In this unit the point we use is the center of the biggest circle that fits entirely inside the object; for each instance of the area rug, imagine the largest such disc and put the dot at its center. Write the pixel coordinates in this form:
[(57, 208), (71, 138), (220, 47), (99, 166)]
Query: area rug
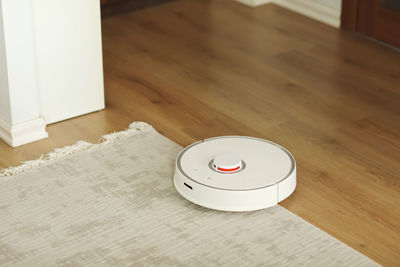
[(114, 204)]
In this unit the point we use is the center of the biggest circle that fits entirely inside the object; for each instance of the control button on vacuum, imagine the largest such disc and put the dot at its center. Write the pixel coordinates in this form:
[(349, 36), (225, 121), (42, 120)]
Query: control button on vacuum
[(227, 164)]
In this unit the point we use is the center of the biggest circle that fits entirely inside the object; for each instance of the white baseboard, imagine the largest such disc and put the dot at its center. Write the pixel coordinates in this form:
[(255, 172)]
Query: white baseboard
[(23, 133), (313, 10), (308, 8), (254, 3)]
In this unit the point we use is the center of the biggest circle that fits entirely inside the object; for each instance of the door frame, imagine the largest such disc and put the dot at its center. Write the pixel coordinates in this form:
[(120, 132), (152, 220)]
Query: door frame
[(349, 16)]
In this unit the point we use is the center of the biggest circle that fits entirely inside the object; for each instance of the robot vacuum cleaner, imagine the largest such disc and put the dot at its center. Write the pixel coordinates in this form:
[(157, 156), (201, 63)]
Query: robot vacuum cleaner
[(235, 173)]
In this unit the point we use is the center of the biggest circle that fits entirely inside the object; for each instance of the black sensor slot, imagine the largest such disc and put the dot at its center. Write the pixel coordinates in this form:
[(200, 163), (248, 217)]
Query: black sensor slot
[(188, 186)]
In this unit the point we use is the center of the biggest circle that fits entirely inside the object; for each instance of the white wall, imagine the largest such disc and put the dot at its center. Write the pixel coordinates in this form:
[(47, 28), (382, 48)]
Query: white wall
[(21, 69), (69, 57), (51, 65), (20, 122), (335, 4), (5, 110), (18, 85)]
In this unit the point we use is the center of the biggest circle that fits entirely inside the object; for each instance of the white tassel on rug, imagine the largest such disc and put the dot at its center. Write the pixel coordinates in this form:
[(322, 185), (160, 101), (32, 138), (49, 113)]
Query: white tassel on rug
[(62, 153)]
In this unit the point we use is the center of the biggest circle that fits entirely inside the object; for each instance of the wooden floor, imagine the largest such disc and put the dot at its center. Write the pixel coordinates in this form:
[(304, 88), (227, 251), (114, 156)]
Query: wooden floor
[(197, 68)]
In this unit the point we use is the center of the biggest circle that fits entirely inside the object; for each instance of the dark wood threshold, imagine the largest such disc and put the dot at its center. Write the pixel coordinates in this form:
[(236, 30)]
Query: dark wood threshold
[(124, 6)]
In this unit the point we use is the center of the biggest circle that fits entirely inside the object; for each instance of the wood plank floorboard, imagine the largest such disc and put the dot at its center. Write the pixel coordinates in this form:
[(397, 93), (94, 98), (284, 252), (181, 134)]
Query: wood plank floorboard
[(198, 68)]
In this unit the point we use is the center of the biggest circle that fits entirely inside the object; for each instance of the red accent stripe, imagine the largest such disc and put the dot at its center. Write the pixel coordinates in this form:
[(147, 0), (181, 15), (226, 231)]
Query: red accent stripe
[(228, 170)]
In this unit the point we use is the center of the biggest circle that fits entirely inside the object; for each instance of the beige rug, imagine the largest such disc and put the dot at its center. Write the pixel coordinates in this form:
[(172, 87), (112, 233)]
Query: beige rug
[(114, 204)]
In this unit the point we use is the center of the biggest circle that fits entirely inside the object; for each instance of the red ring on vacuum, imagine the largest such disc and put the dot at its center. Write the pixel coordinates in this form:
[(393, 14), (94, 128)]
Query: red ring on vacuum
[(228, 170)]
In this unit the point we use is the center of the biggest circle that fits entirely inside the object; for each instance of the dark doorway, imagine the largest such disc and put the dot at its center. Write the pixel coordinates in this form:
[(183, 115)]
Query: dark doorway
[(377, 19), (115, 7)]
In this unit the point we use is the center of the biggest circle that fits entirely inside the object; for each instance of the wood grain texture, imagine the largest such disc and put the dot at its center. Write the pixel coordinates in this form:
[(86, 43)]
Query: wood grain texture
[(197, 69)]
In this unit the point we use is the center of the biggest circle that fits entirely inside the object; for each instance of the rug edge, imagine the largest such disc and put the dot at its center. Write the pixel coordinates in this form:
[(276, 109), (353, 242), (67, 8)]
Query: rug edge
[(79, 146)]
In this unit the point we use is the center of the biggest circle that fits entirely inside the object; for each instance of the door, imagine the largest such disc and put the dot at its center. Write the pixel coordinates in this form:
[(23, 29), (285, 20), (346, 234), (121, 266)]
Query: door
[(378, 19), (103, 2)]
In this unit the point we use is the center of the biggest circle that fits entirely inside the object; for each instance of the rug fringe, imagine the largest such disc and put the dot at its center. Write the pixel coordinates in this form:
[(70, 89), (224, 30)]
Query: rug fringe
[(62, 153)]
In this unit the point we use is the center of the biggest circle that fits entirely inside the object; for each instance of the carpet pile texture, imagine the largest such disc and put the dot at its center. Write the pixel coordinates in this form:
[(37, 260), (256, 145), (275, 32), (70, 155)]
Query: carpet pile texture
[(114, 204)]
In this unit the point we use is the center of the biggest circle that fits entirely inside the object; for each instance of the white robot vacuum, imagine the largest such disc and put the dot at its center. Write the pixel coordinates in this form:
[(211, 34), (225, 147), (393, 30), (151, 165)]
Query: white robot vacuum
[(235, 173)]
